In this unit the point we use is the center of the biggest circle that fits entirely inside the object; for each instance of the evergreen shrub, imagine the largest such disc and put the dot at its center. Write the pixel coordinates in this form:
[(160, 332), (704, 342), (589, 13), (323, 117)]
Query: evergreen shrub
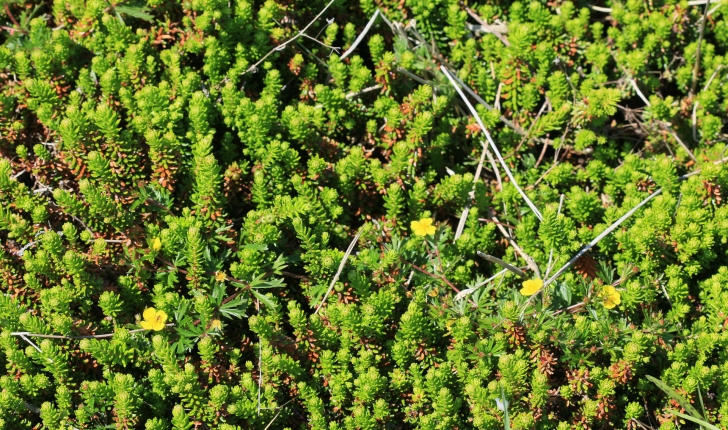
[(270, 215)]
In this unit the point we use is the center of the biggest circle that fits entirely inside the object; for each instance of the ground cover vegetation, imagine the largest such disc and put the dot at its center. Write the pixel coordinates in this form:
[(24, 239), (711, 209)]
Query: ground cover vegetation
[(429, 214)]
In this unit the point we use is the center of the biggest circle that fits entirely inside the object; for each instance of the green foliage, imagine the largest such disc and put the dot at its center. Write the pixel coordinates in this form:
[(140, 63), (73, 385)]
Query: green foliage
[(214, 161)]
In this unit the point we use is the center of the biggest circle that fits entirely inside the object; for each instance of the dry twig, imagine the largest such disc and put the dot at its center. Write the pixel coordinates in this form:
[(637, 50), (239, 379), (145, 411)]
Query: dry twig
[(492, 144), (341, 267), (294, 38), (494, 30)]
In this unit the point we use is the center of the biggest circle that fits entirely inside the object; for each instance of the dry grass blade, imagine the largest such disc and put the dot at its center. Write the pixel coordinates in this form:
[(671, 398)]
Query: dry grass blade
[(551, 252), (415, 77), (492, 144), (33, 408), (697, 172), (364, 91), (280, 409), (341, 267), (616, 224), (696, 68), (682, 144), (639, 93), (260, 365), (31, 343), (503, 264), (694, 116), (600, 9), (597, 239), (92, 336), (466, 211), (494, 166), (463, 218), (284, 44), (487, 105), (361, 35), (665, 124), (494, 30), (461, 295), (529, 261), (22, 336)]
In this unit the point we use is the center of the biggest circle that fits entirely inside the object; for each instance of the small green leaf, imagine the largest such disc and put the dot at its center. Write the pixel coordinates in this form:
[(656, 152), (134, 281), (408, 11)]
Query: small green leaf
[(696, 420), (506, 418), (234, 308), (266, 300), (141, 12), (677, 397), (259, 283)]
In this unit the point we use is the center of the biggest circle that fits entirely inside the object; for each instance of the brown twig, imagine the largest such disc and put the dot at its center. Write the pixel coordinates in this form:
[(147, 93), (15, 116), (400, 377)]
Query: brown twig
[(159, 205), (696, 68), (530, 128), (538, 181), (227, 278), (437, 254), (12, 18), (434, 276), (11, 30), (496, 222), (295, 275), (571, 309), (543, 153)]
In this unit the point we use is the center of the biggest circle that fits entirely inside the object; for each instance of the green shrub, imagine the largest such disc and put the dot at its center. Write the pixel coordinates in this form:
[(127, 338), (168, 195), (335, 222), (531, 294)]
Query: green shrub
[(211, 217)]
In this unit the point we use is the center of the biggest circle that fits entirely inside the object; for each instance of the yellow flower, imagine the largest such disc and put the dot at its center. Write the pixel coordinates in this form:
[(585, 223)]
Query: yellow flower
[(157, 244), (216, 325), (220, 276), (423, 227), (531, 287), (153, 319), (611, 297)]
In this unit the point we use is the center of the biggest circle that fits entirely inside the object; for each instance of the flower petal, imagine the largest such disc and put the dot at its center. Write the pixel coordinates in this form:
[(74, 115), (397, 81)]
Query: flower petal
[(531, 287), (162, 316), (149, 314), (616, 298), (158, 325), (147, 325), (431, 230)]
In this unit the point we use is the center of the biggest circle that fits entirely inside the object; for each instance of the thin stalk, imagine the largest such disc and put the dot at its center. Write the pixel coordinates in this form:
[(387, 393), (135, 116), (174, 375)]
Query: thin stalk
[(341, 267), (492, 144), (696, 68), (361, 35)]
